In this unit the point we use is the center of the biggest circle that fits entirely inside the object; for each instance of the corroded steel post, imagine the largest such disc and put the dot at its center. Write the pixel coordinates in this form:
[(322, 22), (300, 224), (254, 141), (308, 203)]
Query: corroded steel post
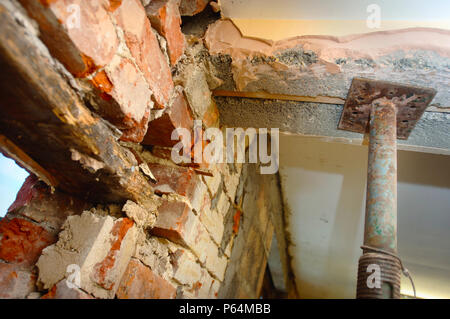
[(392, 110), (380, 230)]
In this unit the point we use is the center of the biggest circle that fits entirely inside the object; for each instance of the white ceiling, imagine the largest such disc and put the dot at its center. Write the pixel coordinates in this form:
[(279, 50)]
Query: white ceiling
[(282, 19), (335, 10), (324, 189)]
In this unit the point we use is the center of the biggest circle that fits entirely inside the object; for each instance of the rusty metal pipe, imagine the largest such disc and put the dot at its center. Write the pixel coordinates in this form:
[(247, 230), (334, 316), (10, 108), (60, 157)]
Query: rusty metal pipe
[(380, 229), (392, 110)]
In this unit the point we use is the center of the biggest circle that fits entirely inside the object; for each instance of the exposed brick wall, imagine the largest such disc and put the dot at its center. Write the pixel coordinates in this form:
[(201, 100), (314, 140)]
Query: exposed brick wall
[(252, 228), (32, 223), (132, 67)]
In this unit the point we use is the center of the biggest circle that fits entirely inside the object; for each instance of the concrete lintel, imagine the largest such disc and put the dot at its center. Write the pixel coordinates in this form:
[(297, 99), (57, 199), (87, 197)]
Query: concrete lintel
[(431, 134)]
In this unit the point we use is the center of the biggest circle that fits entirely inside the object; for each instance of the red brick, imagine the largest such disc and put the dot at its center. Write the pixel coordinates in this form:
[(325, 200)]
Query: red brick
[(178, 115), (175, 222), (196, 281), (165, 18), (62, 291), (82, 49), (36, 202), (136, 134), (140, 282), (144, 47), (29, 190), (100, 245), (22, 242), (104, 271), (121, 93), (132, 97), (178, 223), (176, 180), (192, 7), (15, 282), (186, 270), (162, 152)]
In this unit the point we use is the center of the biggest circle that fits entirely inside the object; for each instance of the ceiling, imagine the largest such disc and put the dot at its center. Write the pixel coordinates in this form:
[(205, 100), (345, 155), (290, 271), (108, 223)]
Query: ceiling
[(291, 18), (323, 187), (334, 10)]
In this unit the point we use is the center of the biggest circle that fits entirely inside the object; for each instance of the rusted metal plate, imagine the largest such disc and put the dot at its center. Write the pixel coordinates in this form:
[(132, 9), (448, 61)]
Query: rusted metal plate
[(411, 102)]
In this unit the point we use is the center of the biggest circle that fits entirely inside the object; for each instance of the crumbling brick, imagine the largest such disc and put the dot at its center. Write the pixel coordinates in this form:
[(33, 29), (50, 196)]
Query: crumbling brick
[(78, 33), (198, 94), (140, 282), (139, 214), (15, 282), (29, 190), (120, 60), (192, 7), (104, 272), (186, 270), (22, 241), (144, 47), (154, 253), (100, 246), (130, 91), (178, 223), (165, 18), (195, 280), (83, 37), (177, 115), (175, 222), (179, 180), (36, 201)]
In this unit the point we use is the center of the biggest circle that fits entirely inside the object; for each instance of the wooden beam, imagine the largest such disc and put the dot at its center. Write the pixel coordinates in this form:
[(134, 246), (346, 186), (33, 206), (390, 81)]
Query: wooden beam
[(271, 96), (11, 150), (50, 128)]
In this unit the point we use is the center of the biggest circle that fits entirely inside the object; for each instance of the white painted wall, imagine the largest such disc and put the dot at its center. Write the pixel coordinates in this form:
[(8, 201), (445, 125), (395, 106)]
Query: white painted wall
[(324, 188)]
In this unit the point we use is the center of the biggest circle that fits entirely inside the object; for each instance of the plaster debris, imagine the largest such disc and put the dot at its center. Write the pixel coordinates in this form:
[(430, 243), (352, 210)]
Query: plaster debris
[(141, 216), (154, 252)]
